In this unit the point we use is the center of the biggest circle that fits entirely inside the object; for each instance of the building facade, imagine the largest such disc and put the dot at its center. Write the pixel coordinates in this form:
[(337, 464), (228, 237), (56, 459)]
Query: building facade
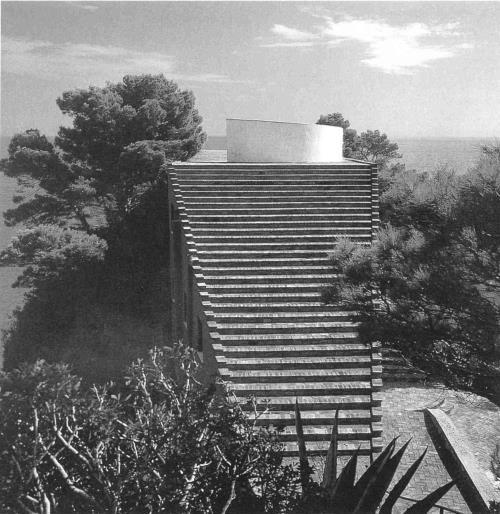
[(249, 244)]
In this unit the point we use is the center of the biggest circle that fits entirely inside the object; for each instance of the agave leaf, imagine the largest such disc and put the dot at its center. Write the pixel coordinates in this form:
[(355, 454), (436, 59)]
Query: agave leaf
[(426, 504), (342, 499), (386, 454), (330, 471), (398, 489), (379, 483), (305, 469)]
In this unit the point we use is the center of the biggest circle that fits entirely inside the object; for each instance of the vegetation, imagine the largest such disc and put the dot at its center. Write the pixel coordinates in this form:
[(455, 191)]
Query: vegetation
[(343, 494), (93, 210), (369, 146), (432, 273), (159, 441)]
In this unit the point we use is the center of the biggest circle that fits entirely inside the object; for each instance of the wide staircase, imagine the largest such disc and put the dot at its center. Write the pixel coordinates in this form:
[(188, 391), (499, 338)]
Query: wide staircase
[(259, 237)]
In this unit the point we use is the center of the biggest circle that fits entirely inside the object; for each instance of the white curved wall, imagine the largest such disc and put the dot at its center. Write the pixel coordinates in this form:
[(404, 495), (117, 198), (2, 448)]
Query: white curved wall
[(273, 141)]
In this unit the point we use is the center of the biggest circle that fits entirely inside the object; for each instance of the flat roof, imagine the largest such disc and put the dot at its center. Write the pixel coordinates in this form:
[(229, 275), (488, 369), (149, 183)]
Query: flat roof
[(220, 156)]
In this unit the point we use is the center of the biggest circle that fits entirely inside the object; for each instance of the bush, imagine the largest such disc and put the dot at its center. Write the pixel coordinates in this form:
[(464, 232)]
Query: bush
[(157, 442)]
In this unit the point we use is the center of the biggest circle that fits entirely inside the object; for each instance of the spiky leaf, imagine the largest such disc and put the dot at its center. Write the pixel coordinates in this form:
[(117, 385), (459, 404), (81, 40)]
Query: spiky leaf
[(426, 504), (398, 489), (386, 454), (379, 483), (305, 469), (342, 499), (330, 471)]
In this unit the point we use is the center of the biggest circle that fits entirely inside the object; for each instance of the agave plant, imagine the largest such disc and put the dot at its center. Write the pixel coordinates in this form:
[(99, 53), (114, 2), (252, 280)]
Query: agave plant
[(345, 495)]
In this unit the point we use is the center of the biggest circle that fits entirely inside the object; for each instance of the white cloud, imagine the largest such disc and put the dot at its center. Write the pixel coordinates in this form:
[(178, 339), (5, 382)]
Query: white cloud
[(90, 63), (400, 49), (292, 34)]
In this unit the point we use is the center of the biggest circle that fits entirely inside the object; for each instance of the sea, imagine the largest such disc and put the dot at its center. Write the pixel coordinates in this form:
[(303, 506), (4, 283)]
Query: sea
[(458, 154)]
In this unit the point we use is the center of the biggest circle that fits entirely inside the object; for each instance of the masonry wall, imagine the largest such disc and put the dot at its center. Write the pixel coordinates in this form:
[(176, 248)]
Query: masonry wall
[(186, 319)]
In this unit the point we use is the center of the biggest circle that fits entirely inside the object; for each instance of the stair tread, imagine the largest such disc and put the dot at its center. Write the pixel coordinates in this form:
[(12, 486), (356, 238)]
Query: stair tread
[(299, 360), (277, 325), (261, 337), (302, 385), (199, 225), (298, 305), (256, 277), (344, 415), (315, 447), (208, 271), (326, 347), (301, 314), (308, 402), (303, 373)]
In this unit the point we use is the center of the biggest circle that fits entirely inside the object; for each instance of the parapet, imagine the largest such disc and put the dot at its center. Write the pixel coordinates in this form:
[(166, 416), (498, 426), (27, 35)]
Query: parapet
[(274, 141)]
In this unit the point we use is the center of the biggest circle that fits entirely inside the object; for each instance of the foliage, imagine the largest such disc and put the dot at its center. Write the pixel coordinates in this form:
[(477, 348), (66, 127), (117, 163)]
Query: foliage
[(140, 108), (342, 494), (49, 251), (369, 146), (94, 205), (139, 122), (427, 302), (157, 442), (433, 271), (97, 314)]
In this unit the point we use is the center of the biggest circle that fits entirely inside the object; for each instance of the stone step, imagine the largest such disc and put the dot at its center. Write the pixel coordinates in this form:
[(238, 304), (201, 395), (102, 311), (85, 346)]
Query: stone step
[(285, 210), (267, 176), (325, 387), (267, 169), (257, 178), (323, 433), (269, 279), (296, 285), (342, 402), (345, 448), (274, 235), (287, 244), (284, 339), (284, 328), (297, 351), (269, 297), (250, 179), (265, 270), (290, 307), (280, 192), (266, 255), (225, 233), (272, 184), (268, 317), (323, 221), (248, 224), (272, 377), (316, 417), (293, 262), (275, 202), (263, 219), (297, 362)]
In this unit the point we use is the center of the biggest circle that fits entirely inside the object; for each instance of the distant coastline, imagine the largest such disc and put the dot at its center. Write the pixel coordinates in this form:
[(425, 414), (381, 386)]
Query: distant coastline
[(422, 154)]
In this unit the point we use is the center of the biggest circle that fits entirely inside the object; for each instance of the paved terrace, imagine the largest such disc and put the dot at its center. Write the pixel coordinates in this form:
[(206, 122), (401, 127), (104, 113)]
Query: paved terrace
[(403, 415)]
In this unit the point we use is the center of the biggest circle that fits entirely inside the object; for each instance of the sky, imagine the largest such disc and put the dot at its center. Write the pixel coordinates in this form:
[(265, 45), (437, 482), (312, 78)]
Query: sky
[(410, 69)]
